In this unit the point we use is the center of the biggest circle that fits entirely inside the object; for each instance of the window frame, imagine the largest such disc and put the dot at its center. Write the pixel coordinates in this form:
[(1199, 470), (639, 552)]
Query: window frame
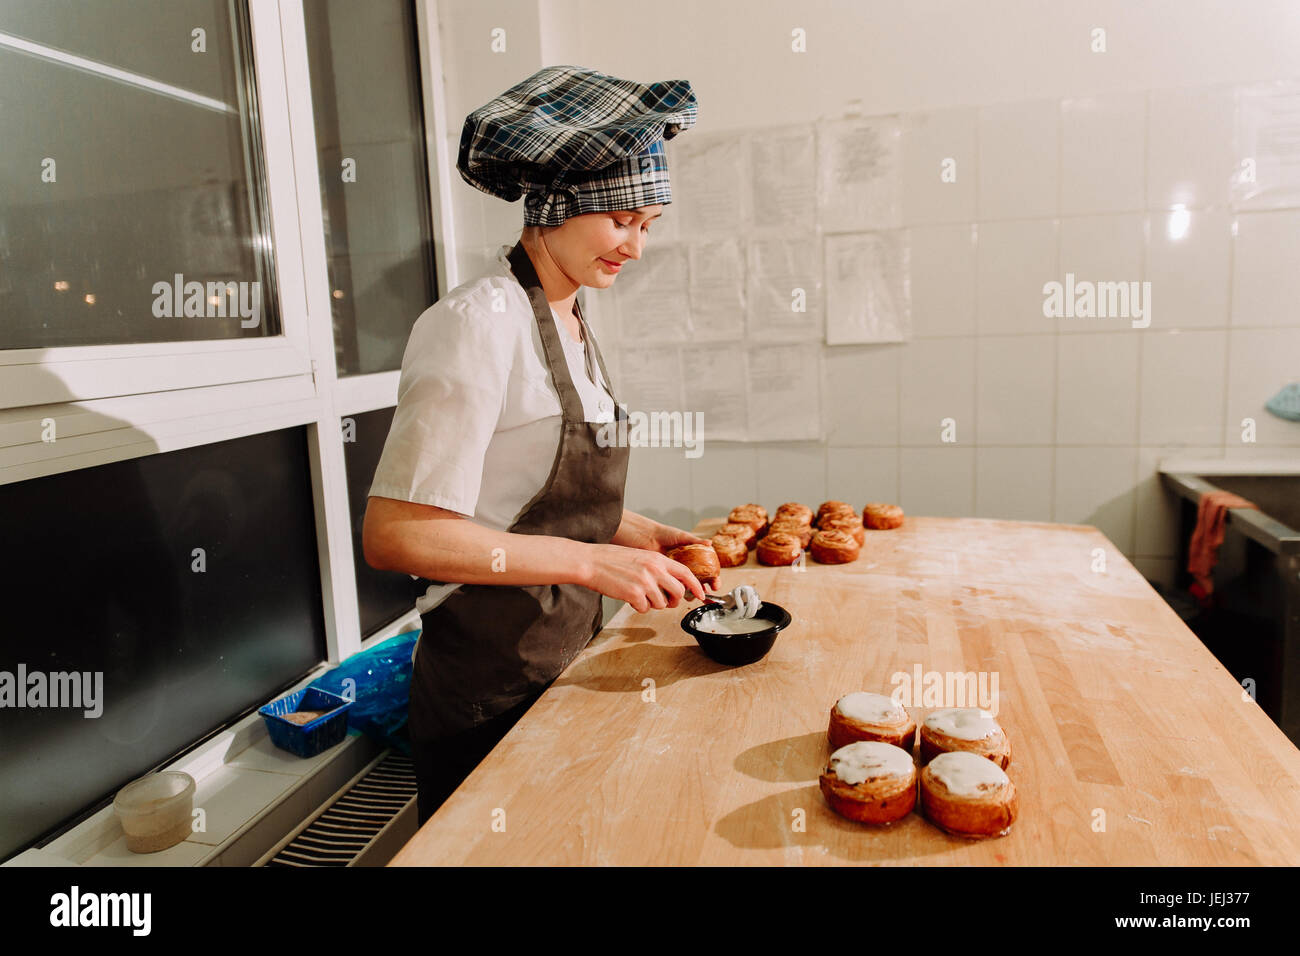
[(116, 402)]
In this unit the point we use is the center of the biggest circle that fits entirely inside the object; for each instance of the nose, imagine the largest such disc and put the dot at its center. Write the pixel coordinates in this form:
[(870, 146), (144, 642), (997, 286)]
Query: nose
[(632, 248)]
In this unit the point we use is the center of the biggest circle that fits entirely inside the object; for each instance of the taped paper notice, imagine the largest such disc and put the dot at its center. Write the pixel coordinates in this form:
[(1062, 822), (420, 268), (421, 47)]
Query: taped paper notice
[(858, 177), (784, 290), (652, 298), (709, 183), (783, 169), (785, 393), (717, 291), (652, 380), (714, 383), (1268, 145), (867, 289)]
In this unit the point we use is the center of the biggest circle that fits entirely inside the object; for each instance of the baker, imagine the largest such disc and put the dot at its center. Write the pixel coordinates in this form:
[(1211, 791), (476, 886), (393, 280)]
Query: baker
[(492, 484)]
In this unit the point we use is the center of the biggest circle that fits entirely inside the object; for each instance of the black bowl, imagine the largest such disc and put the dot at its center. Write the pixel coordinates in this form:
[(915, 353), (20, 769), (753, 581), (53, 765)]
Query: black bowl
[(736, 649)]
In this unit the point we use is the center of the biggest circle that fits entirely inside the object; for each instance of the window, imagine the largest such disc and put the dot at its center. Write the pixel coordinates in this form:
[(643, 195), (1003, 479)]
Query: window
[(365, 81)]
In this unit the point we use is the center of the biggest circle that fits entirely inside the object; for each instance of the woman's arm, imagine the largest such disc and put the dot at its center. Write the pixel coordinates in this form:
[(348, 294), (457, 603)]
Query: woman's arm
[(442, 545), (638, 531)]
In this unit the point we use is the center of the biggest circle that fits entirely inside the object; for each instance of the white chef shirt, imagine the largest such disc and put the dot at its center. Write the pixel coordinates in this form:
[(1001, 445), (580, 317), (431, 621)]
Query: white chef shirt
[(478, 419)]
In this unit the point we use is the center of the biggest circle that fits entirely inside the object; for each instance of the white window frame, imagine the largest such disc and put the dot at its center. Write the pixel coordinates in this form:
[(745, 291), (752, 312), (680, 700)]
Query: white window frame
[(116, 402)]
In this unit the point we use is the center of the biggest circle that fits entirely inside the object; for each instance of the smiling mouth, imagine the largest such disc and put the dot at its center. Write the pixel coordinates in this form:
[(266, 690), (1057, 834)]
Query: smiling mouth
[(612, 265)]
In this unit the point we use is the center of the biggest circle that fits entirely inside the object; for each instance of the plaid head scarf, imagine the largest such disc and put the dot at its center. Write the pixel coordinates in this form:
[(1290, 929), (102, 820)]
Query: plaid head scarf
[(573, 141)]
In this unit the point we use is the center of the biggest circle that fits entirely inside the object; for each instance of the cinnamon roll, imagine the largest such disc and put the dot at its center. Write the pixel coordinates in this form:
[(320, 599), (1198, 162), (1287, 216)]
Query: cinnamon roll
[(866, 716), (832, 507), (967, 729), (732, 551), (877, 515), (849, 523), (744, 532), (833, 547), (779, 548), (966, 795), (753, 515), (790, 526), (792, 509), (870, 782), (702, 559)]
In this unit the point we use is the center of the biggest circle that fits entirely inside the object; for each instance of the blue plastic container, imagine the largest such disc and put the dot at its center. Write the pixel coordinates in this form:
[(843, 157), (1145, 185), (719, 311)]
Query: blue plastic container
[(307, 740)]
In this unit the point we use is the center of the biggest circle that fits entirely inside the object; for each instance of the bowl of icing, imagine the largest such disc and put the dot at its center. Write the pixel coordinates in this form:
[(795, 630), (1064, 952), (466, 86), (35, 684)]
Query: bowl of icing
[(735, 641)]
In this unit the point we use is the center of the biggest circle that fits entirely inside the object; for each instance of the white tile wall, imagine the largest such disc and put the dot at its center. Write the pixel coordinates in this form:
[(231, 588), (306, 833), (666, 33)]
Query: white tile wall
[(1013, 261), (1016, 390), (1102, 154), (1097, 389), (1266, 269), (1182, 387), (1189, 266)]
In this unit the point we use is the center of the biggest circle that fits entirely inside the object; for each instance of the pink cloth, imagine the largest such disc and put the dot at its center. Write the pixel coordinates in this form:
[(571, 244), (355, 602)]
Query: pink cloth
[(1203, 552)]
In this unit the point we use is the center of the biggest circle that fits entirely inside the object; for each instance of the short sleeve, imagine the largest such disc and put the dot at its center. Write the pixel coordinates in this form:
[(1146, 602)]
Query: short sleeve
[(451, 395)]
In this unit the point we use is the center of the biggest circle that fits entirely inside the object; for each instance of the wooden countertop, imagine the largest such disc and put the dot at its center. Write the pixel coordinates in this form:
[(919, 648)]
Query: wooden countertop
[(1131, 744)]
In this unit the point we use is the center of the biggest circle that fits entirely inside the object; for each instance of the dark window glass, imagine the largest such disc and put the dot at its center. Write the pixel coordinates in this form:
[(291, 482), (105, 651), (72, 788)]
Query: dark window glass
[(382, 596), (365, 82), (188, 580), (132, 204)]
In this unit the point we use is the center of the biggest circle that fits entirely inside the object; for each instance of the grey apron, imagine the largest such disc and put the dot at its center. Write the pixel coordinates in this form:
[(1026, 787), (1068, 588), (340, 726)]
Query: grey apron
[(487, 647)]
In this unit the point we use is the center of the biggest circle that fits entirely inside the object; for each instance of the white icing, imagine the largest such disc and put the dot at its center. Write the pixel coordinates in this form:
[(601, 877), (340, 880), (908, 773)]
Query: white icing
[(965, 723), (871, 708), (867, 759), (967, 774), (715, 623)]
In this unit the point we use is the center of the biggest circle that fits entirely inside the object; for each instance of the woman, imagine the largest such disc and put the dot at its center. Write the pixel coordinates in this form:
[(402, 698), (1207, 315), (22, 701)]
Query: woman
[(502, 397)]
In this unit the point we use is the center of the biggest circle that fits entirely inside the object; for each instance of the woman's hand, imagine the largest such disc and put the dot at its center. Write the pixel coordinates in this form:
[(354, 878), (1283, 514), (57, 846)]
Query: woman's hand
[(667, 537), (642, 577), (638, 531)]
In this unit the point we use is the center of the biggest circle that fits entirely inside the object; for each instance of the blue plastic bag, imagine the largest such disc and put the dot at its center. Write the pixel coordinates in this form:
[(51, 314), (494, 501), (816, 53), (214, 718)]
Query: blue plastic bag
[(378, 680)]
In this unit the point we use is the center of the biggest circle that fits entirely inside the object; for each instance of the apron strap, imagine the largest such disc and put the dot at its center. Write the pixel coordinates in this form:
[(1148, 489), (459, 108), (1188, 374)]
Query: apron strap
[(526, 274)]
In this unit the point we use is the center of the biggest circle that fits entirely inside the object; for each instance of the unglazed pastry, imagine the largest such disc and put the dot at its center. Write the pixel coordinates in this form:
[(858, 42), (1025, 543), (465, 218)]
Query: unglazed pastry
[(870, 782), (790, 526), (702, 559), (792, 509), (832, 507), (744, 532), (878, 515), (863, 715), (753, 515), (732, 551), (966, 795), (834, 547), (778, 548), (968, 729), (849, 523)]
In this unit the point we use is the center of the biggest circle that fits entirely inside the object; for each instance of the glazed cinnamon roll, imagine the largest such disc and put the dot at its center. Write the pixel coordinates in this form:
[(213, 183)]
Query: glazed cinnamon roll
[(966, 795), (753, 515), (866, 716), (792, 509), (833, 547), (702, 559), (870, 782), (967, 729), (849, 523), (732, 551), (790, 526), (878, 515), (744, 532), (829, 508), (779, 548)]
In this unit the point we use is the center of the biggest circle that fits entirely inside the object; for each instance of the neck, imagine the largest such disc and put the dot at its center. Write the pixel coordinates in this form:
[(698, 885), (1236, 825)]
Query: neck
[(560, 289)]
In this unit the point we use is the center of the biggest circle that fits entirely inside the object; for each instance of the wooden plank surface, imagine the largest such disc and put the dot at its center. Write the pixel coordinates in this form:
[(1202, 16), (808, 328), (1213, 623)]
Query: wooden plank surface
[(1131, 745)]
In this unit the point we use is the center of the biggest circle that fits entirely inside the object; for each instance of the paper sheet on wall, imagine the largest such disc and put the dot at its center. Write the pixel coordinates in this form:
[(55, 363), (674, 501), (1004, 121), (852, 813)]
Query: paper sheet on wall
[(867, 288), (784, 290), (784, 386), (858, 179), (1268, 136), (717, 290), (783, 171), (652, 298), (714, 384), (709, 183), (651, 380)]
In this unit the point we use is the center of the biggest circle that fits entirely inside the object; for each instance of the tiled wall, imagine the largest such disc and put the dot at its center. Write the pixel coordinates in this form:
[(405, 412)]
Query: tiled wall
[(1057, 420)]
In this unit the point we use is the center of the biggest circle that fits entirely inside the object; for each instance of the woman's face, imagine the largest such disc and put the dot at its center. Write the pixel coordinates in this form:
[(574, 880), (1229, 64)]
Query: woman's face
[(591, 248)]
